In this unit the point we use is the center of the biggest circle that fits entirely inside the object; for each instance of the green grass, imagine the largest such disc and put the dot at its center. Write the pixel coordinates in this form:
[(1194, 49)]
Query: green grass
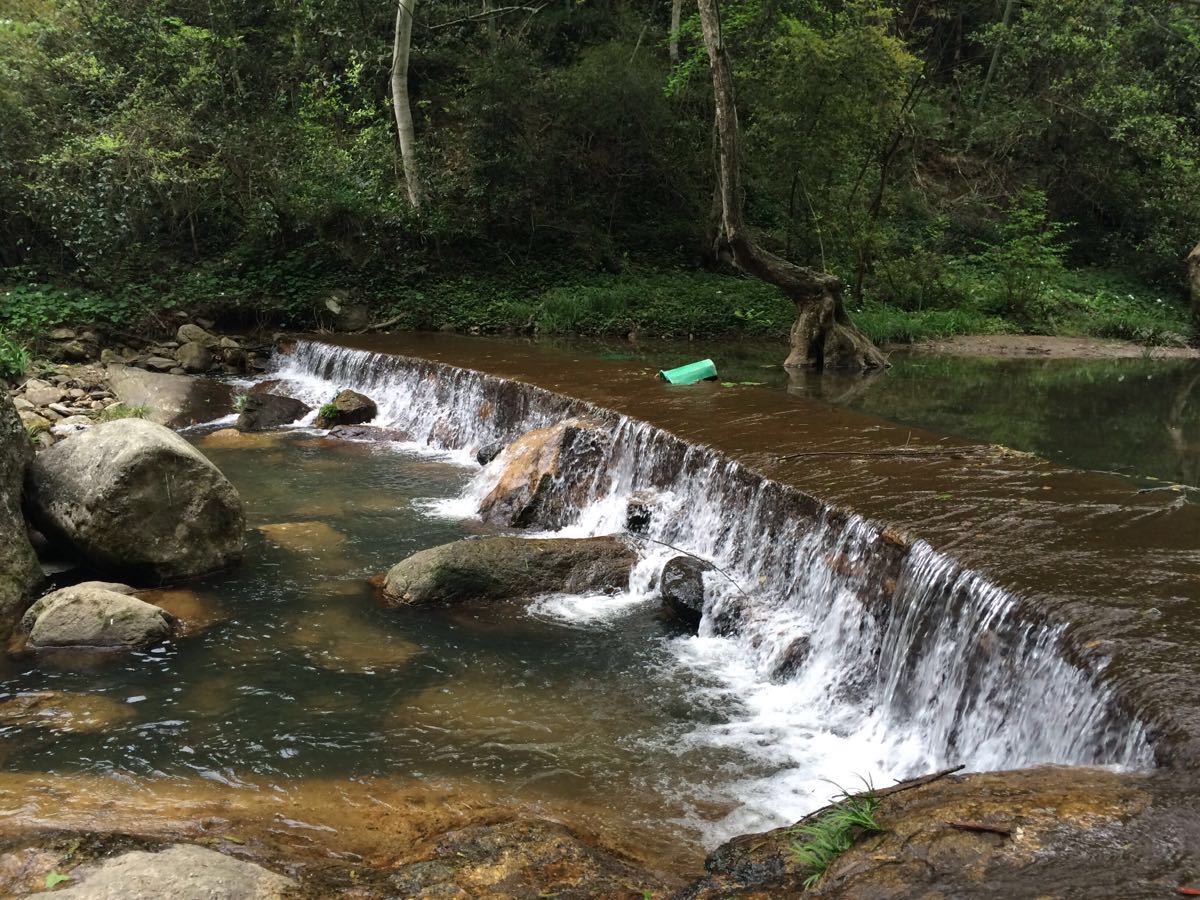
[(121, 411), (833, 833), (14, 357), (327, 411), (650, 302)]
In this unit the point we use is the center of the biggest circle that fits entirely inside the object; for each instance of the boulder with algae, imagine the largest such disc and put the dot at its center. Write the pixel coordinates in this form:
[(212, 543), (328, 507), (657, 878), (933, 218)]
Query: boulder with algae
[(509, 568)]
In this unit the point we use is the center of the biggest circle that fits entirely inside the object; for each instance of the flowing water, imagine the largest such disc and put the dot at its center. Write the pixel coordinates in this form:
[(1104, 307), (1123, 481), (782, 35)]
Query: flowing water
[(829, 652)]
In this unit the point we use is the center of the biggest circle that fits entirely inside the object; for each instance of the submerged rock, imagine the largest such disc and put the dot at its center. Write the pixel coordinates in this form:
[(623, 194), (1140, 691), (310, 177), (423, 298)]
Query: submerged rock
[(64, 712), (194, 612), (262, 412), (506, 568), (181, 871), (347, 408), (131, 495), (547, 474), (682, 588), (19, 571), (90, 616)]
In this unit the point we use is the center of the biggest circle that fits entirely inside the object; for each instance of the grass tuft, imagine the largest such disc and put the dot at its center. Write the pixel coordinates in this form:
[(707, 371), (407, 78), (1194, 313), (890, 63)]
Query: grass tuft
[(122, 411), (834, 832)]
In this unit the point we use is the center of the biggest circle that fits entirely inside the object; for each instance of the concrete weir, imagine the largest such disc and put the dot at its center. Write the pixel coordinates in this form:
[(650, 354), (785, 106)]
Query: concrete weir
[(919, 624)]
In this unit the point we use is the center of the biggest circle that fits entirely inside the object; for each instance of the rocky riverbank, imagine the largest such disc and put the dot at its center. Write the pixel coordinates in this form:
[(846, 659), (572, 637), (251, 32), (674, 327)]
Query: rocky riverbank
[(87, 378)]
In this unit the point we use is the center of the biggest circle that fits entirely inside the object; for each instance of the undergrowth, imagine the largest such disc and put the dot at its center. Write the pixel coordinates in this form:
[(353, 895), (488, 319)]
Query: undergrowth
[(833, 833)]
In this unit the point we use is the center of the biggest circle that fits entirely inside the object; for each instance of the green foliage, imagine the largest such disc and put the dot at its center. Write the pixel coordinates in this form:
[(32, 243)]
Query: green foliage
[(169, 154), (54, 879), (14, 357), (833, 833), (327, 411), (1024, 257), (122, 411)]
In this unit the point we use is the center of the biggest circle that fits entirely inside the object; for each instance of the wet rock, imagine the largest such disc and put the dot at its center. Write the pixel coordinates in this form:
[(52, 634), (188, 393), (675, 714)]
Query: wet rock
[(130, 494), (181, 871), (194, 357), (84, 616), (369, 433), (347, 408), (265, 387), (19, 571), (793, 658), (639, 513), (488, 452), (1048, 832), (506, 568), (262, 412), (111, 358), (64, 712), (682, 588), (173, 400), (72, 351), (547, 474), (521, 859), (194, 334)]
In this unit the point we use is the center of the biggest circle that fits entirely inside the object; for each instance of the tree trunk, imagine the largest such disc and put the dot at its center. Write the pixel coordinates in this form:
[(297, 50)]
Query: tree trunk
[(400, 104), (676, 19), (1193, 264), (822, 336)]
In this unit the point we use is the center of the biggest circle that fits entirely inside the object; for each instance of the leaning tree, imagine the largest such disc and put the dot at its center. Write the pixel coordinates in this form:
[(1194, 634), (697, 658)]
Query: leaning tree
[(823, 335)]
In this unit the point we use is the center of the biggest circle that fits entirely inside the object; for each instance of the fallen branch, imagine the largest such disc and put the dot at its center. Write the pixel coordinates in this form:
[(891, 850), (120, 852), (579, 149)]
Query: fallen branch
[(487, 14), (379, 326), (715, 567), (911, 783), (969, 450)]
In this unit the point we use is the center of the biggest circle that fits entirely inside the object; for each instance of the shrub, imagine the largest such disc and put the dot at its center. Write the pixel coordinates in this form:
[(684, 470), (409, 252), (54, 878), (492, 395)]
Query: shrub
[(14, 358)]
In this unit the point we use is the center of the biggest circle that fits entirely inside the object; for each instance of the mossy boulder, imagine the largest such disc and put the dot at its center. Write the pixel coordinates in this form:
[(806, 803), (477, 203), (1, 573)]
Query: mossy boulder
[(509, 568), (347, 408)]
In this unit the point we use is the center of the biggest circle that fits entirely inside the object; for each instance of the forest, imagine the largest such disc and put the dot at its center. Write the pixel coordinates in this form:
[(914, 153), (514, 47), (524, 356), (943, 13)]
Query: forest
[(962, 166)]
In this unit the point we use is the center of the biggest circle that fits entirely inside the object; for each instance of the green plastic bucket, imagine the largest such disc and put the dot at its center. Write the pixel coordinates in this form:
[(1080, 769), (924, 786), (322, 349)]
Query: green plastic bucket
[(704, 370)]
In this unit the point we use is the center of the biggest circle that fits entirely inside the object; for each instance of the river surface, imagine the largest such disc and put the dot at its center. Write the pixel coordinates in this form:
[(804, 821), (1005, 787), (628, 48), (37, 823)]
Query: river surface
[(1136, 417), (597, 710)]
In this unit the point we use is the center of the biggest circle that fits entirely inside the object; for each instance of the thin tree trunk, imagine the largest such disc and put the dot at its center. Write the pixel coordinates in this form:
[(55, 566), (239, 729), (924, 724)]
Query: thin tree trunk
[(995, 61), (400, 103), (676, 19), (1193, 265), (822, 336)]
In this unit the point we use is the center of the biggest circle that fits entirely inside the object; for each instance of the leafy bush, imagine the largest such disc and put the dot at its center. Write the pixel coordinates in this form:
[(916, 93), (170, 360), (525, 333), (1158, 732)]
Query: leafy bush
[(1026, 255)]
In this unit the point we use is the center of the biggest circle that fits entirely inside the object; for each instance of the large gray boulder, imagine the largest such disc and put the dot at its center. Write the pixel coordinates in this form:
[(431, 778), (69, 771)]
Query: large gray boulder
[(130, 496), (90, 615), (19, 571), (181, 872), (508, 568)]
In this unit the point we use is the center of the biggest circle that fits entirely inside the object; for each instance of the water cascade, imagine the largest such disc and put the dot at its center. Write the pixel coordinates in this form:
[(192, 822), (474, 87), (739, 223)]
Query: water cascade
[(848, 652)]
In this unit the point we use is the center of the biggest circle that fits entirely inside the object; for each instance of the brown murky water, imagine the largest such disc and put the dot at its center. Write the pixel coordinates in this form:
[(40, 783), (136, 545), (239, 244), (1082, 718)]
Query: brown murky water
[(1122, 567)]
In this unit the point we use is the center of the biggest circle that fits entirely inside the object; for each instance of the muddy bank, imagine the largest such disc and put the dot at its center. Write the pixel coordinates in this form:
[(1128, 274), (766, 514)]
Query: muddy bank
[(1045, 347)]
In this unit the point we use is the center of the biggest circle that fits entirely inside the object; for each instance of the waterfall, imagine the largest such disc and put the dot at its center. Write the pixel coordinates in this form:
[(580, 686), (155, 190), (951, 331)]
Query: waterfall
[(849, 646)]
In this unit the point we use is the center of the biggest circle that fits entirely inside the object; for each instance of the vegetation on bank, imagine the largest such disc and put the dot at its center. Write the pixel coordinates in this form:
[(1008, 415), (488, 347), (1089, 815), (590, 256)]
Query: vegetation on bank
[(962, 167)]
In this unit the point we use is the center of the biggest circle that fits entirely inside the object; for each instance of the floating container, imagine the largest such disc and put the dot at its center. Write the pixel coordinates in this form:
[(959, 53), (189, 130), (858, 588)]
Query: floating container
[(704, 370)]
